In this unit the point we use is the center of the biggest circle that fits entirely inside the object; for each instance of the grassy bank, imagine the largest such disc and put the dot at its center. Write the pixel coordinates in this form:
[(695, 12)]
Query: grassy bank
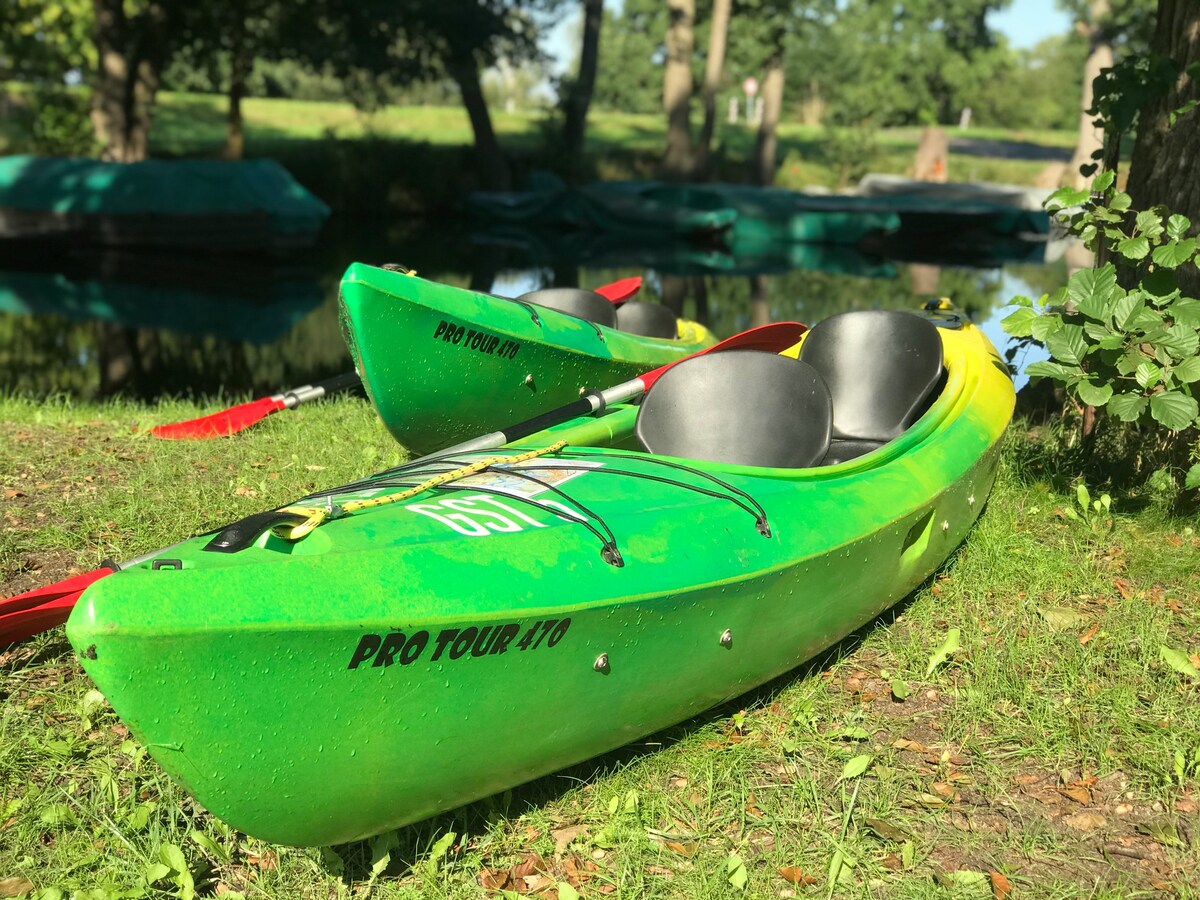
[(1054, 754), (418, 158)]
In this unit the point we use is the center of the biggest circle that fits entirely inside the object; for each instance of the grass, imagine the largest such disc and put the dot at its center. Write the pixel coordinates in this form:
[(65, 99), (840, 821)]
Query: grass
[(1040, 756)]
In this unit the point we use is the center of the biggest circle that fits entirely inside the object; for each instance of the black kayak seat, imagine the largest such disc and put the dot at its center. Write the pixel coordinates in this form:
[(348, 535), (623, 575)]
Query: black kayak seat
[(744, 407), (647, 319), (575, 302), (881, 367)]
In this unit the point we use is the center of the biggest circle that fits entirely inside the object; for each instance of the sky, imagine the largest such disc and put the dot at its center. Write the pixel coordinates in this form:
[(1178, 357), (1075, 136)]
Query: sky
[(1024, 23)]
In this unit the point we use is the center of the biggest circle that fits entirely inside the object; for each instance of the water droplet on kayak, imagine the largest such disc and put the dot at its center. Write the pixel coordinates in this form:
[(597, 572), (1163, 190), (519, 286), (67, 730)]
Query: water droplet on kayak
[(353, 752)]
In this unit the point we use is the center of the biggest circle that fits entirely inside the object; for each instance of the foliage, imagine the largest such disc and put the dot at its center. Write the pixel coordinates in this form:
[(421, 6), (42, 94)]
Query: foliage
[(43, 41), (57, 119), (1132, 352)]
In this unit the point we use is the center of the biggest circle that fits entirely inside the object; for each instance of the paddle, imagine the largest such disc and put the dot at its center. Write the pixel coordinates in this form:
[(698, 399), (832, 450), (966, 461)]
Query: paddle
[(26, 614), (238, 418)]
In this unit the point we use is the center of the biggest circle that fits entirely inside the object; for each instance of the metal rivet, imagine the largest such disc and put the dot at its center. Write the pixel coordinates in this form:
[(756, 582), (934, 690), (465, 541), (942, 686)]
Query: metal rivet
[(945, 525), (726, 638), (529, 379), (601, 663)]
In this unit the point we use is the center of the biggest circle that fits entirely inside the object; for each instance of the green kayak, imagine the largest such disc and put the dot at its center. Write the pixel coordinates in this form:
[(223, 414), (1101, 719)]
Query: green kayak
[(384, 658), (442, 364)]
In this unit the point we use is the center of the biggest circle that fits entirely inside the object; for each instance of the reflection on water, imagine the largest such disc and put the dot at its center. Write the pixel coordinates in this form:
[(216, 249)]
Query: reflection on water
[(93, 325)]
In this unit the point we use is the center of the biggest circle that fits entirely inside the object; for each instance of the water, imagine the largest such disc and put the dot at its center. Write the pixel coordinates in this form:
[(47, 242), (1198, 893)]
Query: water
[(91, 324)]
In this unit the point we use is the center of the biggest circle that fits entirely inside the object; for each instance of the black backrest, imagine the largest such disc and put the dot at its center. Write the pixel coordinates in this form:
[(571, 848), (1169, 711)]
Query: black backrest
[(647, 319), (740, 406), (881, 366), (575, 302)]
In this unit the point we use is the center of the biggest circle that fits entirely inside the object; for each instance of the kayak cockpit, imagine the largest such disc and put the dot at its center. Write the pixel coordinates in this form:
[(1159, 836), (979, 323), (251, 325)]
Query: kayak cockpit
[(632, 316), (859, 380)]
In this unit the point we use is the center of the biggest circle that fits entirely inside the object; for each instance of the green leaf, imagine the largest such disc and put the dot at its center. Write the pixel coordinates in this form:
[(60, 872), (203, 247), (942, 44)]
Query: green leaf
[(735, 867), (949, 646), (1019, 323), (58, 814), (1044, 369), (1173, 409), (1082, 496), (1103, 181), (1186, 311), (1149, 223), (887, 830), (1066, 196), (1181, 340), (1094, 394), (1192, 481), (566, 892), (1120, 201), (1177, 226), (1111, 341), (1178, 660), (173, 857), (856, 765), (1160, 283), (1174, 254), (900, 689), (1124, 309), (1093, 291), (1147, 374), (1127, 407), (1134, 247), (157, 872), (1068, 344), (1044, 326), (438, 851)]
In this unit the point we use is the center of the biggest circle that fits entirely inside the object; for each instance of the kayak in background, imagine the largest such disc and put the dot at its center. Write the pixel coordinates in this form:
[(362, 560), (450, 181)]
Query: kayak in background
[(442, 364)]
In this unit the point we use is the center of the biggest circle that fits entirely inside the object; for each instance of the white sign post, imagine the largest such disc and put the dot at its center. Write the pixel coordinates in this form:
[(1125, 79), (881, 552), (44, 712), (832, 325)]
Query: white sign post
[(750, 88)]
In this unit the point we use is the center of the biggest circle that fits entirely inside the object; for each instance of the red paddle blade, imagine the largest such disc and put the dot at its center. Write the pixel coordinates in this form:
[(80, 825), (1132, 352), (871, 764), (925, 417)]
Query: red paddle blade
[(773, 337), (220, 424), (41, 609), (620, 291)]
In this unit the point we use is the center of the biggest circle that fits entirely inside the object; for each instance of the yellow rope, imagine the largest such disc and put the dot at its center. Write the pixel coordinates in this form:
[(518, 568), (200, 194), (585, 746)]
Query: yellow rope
[(316, 515)]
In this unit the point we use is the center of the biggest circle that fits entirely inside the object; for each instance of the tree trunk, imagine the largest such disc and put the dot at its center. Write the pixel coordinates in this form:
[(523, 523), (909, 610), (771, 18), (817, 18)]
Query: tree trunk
[(677, 89), (1100, 56), (132, 53), (1163, 166), (493, 168), (580, 97), (760, 300), (772, 100), (717, 39), (235, 140)]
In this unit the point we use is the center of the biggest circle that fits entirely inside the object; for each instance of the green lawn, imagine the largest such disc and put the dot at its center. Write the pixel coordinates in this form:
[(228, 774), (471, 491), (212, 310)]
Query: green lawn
[(1056, 752)]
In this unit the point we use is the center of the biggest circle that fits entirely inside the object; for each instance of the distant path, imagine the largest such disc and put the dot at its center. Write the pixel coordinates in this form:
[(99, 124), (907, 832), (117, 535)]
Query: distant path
[(1010, 150)]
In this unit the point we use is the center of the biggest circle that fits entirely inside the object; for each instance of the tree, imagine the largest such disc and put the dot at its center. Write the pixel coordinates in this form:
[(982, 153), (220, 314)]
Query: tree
[(713, 67), (677, 88), (772, 100), (1162, 171), (1111, 28), (579, 95)]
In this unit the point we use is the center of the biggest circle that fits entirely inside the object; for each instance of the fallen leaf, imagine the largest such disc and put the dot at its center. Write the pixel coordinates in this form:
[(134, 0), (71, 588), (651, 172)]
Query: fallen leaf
[(887, 830), (1085, 821), (12, 494), (677, 781), (1001, 886), (661, 871), (942, 789), (1186, 805), (530, 864), (1089, 634), (683, 848), (246, 492), (1179, 661), (1060, 618), (906, 744), (564, 836), (1078, 793), (14, 887), (795, 875), (268, 861)]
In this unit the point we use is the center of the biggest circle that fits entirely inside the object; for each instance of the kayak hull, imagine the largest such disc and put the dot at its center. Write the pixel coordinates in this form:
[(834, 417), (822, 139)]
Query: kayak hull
[(443, 364), (414, 657)]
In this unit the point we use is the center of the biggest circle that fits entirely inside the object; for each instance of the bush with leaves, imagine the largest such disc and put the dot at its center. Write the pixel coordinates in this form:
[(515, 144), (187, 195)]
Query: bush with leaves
[(1135, 352)]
